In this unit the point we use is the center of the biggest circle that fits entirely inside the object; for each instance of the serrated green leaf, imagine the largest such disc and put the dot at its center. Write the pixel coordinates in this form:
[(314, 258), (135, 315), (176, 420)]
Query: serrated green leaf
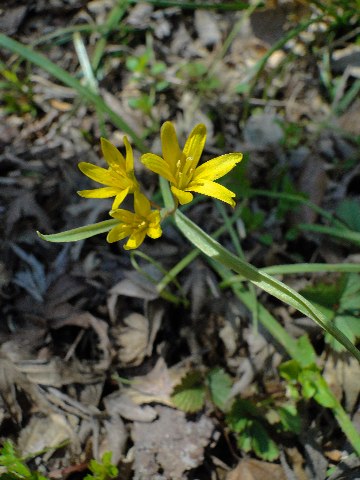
[(262, 444), (290, 418), (254, 437), (220, 386), (243, 439), (80, 233), (241, 410), (189, 395)]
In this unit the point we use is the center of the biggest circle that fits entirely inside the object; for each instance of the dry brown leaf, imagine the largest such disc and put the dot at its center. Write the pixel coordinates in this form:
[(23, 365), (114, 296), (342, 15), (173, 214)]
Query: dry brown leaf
[(25, 205), (313, 182), (87, 320), (156, 386), (350, 120), (131, 339), (11, 381), (57, 373), (207, 27), (46, 433), (170, 444), (120, 403), (134, 286), (297, 463), (251, 469), (340, 370), (115, 439)]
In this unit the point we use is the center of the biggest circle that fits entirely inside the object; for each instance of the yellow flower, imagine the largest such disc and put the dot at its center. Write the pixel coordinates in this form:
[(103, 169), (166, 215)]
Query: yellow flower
[(181, 170), (135, 225), (119, 178)]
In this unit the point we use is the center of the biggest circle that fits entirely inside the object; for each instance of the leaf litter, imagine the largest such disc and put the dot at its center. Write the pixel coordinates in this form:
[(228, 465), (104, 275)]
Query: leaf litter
[(90, 354)]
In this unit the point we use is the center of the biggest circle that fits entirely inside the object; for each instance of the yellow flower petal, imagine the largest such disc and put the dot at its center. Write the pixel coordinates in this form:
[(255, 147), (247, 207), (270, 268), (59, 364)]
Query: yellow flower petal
[(183, 197), (217, 167), (99, 174), (215, 190), (124, 215), (158, 165), (154, 229), (129, 157), (195, 143), (120, 197), (154, 232), (141, 205), (105, 192), (113, 157), (170, 146), (118, 233), (135, 240)]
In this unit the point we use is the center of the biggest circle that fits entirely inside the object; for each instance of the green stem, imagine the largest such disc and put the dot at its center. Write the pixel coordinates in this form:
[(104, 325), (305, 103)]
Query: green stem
[(346, 424)]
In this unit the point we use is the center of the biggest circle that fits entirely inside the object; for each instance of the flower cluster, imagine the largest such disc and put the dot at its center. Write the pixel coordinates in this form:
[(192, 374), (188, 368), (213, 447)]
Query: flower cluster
[(179, 167)]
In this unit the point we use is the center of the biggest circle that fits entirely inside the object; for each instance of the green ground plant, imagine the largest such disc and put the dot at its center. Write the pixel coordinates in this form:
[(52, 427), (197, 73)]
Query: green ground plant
[(17, 95), (252, 423), (14, 467)]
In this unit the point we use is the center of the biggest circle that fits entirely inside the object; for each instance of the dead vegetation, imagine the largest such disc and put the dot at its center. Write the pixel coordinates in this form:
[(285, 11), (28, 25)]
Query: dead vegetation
[(90, 349)]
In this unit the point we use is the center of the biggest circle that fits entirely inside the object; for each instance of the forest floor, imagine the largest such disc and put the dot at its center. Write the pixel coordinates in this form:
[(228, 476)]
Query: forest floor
[(179, 369)]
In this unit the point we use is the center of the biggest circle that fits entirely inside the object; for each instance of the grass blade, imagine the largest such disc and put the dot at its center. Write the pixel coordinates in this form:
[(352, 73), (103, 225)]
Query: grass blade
[(61, 74)]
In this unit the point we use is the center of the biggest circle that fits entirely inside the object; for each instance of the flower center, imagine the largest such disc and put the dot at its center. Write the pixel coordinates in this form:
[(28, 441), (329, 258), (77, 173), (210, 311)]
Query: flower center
[(139, 223), (184, 172)]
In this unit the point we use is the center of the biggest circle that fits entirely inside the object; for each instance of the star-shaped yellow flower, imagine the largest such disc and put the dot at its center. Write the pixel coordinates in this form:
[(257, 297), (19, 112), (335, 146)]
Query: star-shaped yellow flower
[(136, 225), (181, 168), (119, 178)]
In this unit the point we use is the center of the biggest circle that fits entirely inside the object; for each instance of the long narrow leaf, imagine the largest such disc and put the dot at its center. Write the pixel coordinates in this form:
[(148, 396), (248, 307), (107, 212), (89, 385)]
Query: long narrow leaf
[(80, 233), (214, 250), (342, 233)]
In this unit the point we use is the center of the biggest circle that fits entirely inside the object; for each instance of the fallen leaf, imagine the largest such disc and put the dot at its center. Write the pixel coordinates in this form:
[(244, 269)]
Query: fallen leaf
[(207, 27), (120, 403), (170, 444), (46, 433), (156, 386), (251, 469)]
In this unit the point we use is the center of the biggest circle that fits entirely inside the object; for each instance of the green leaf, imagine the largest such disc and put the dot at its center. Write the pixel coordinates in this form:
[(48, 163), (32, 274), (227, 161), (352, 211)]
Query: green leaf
[(189, 395), (290, 370), (344, 234), (314, 386), (251, 435), (348, 212), (290, 418), (239, 412), (80, 233), (102, 470), (341, 303), (307, 353), (220, 386), (215, 251), (262, 444)]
